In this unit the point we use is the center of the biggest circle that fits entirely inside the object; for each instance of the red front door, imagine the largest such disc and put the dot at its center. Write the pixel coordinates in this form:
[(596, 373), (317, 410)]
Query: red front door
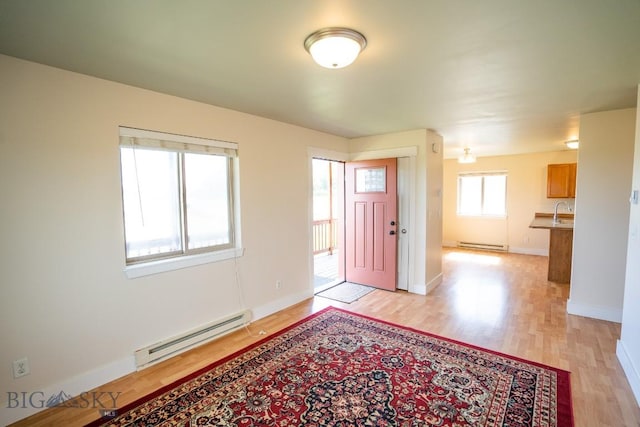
[(370, 223)]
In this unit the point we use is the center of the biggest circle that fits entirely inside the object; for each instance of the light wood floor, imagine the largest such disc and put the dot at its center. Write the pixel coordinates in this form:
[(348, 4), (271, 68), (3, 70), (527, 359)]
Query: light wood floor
[(498, 301)]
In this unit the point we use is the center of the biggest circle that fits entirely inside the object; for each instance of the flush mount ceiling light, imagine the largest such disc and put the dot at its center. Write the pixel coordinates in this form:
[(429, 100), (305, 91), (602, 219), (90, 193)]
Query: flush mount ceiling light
[(335, 47), (573, 144), (467, 157)]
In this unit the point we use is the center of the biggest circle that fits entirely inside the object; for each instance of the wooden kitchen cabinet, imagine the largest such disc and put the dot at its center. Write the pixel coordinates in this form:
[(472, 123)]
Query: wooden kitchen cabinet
[(561, 180), (560, 255), (560, 244)]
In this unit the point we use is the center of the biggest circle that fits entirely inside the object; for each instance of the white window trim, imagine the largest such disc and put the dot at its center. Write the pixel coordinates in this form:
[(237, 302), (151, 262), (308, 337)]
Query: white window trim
[(175, 138), (134, 271), (148, 268)]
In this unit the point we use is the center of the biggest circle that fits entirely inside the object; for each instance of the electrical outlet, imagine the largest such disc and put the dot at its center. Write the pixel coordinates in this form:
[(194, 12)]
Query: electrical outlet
[(278, 284), (21, 367)]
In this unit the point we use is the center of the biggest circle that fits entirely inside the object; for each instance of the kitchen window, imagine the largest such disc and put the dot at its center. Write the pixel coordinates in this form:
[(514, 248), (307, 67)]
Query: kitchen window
[(482, 194), (178, 197)]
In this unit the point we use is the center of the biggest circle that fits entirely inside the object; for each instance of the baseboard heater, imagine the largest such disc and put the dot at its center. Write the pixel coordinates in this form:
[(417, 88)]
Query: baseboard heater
[(484, 246), (170, 347)]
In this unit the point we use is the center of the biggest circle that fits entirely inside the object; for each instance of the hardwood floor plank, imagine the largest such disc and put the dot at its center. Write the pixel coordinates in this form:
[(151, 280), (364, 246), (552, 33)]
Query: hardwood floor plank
[(502, 302)]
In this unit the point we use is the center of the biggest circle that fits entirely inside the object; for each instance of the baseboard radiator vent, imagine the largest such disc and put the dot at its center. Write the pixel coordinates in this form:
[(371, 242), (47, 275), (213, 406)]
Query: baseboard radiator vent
[(170, 347), (483, 246)]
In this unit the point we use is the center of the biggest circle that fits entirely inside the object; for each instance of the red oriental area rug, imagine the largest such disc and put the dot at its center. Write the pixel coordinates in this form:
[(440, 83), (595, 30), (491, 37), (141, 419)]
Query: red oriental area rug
[(337, 368)]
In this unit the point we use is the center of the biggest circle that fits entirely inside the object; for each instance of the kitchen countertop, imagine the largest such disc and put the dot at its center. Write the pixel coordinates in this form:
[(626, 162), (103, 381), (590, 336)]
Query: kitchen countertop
[(545, 220)]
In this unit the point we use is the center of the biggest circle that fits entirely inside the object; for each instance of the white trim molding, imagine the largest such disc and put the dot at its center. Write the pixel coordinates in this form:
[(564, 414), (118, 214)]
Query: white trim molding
[(632, 372), (275, 306), (529, 251), (154, 267), (418, 289), (594, 311), (512, 249), (411, 151), (424, 289), (434, 283), (87, 381), (321, 153), (74, 386)]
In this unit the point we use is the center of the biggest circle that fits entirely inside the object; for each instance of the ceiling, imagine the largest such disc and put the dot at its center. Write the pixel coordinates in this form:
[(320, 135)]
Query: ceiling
[(498, 76)]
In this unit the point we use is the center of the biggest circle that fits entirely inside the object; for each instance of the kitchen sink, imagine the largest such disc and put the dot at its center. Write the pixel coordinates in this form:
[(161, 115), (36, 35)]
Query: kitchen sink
[(564, 221)]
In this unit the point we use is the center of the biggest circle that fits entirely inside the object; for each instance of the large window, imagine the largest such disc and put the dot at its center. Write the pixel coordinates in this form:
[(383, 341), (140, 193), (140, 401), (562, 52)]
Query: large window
[(177, 194), (482, 194)]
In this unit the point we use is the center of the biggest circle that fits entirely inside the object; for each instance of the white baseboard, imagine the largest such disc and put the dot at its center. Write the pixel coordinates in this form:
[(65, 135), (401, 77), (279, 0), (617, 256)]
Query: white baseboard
[(280, 304), (523, 251), (529, 251), (594, 311), (20, 406), (418, 289), (433, 283), (630, 370), (423, 289)]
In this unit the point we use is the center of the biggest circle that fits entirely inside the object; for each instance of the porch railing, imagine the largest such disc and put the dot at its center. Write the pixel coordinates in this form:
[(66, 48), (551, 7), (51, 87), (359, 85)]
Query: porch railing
[(324, 236)]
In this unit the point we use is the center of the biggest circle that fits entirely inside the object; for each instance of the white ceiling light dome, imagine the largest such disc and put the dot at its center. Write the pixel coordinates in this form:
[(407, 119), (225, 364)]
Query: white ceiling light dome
[(335, 47), (573, 144), (467, 157)]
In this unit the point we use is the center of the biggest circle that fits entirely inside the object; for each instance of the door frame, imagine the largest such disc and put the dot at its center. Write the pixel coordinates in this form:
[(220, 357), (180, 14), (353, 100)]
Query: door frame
[(412, 153)]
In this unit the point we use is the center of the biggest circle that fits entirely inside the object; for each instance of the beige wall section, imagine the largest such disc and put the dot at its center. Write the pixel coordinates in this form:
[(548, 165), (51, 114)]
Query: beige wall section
[(426, 252), (65, 302), (605, 169), (526, 194), (434, 192), (629, 345)]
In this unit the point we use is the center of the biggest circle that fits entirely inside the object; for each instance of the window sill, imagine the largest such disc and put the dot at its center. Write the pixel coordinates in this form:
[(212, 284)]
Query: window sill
[(162, 266)]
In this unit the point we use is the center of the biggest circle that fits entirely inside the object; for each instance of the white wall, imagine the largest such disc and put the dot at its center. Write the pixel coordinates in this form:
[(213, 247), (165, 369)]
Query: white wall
[(526, 195), (64, 300), (426, 252), (629, 345), (605, 165)]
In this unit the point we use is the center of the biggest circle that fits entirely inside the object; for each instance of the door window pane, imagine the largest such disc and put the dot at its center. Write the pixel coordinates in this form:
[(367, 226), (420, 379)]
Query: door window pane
[(371, 180)]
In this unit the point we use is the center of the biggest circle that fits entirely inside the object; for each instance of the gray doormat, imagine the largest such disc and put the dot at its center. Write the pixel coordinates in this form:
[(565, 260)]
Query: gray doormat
[(346, 292)]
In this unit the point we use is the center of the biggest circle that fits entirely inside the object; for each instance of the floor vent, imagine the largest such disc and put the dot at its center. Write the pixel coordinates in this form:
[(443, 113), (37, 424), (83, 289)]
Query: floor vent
[(484, 246), (170, 347)]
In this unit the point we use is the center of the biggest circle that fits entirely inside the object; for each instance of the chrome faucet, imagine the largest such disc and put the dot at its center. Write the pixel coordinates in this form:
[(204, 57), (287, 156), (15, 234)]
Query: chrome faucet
[(555, 211)]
